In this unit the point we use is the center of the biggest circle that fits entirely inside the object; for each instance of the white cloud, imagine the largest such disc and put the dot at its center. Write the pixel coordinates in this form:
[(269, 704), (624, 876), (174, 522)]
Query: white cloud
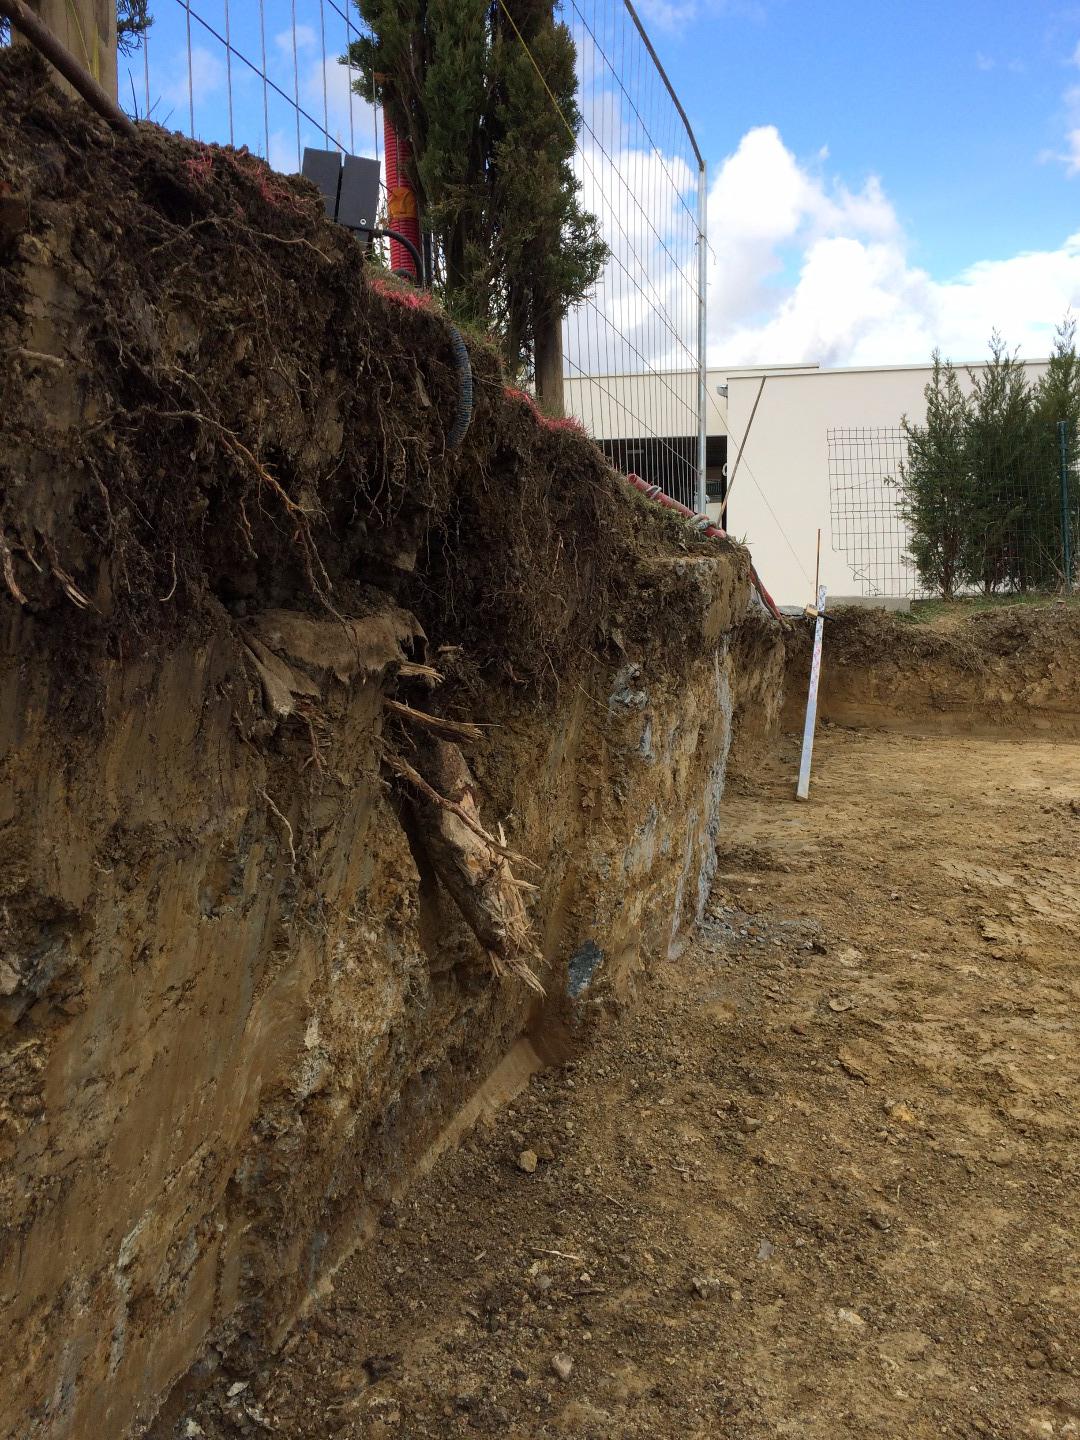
[(668, 15), (1070, 100), (674, 16), (283, 151), (642, 312), (806, 269), (305, 39), (207, 76), (325, 90), (1015, 66)]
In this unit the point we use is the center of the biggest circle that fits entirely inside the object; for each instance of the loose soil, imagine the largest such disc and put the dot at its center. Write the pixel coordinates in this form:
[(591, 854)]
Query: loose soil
[(819, 1179), (213, 405)]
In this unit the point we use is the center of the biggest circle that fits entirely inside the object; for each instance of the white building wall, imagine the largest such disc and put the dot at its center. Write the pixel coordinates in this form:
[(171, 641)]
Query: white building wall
[(780, 494), (625, 407)]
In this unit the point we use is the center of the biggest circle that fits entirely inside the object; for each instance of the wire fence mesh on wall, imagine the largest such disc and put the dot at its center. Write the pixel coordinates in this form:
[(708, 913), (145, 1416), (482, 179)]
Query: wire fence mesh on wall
[(868, 527), (1007, 521), (268, 74)]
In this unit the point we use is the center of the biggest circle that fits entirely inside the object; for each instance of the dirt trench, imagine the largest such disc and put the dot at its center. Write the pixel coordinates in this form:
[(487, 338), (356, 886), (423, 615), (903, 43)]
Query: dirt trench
[(247, 1004), (322, 745), (816, 1178), (999, 671)]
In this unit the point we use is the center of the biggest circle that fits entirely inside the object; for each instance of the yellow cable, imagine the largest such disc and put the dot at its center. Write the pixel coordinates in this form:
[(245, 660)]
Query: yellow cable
[(82, 37), (551, 94)]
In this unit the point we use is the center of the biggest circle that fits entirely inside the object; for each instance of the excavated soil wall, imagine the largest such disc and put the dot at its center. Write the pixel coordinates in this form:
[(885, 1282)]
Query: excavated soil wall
[(1008, 671), (253, 961)]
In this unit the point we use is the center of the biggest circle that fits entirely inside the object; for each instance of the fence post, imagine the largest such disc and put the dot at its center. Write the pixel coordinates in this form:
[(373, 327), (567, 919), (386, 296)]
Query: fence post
[(88, 29), (1066, 537), (703, 379)]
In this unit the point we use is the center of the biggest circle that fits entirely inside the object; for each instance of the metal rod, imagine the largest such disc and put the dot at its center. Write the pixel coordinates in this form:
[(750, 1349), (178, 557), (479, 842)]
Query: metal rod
[(742, 447), (58, 55), (228, 69), (703, 381), (146, 69), (266, 99), (1066, 536), (803, 790), (190, 72), (663, 76), (296, 90), (325, 97)]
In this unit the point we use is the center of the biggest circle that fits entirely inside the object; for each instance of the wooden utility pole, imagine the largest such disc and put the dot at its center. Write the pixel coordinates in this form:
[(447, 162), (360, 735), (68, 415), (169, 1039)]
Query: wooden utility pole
[(88, 29), (548, 360)]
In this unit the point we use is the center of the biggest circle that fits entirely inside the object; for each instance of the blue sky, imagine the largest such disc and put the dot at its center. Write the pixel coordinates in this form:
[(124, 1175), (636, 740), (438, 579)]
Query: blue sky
[(886, 176), (952, 104), (963, 120)]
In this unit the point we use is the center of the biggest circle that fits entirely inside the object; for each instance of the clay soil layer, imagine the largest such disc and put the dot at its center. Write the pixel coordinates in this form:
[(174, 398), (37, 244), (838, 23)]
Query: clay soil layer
[(818, 1180)]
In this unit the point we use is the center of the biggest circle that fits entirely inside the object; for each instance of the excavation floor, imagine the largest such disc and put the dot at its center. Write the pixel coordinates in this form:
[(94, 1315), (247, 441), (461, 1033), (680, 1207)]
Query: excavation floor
[(818, 1180)]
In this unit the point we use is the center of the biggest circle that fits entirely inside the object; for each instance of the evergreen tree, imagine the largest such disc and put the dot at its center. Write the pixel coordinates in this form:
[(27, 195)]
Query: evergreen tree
[(981, 488), (492, 155), (999, 453), (133, 19), (1056, 399), (935, 483)]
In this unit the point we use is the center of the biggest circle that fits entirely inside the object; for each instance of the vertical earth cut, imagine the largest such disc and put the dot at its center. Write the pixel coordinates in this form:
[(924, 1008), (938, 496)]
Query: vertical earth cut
[(261, 933)]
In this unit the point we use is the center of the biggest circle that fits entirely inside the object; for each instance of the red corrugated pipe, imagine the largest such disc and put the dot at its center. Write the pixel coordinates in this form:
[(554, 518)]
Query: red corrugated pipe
[(401, 203), (706, 527)]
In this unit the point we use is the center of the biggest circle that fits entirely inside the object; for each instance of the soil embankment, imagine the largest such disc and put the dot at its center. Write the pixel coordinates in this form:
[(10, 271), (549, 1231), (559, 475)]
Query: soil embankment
[(820, 1181), (319, 739), (1011, 670)]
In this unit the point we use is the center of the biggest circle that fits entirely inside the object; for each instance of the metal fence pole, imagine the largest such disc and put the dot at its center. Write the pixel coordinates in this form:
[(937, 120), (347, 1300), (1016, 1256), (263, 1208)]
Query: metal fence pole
[(1066, 537), (703, 379)]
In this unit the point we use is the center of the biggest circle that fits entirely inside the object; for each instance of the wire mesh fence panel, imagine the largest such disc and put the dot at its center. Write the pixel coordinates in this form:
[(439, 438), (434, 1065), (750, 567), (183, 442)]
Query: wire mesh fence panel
[(268, 75), (1021, 513), (868, 526), (632, 349), (1001, 516)]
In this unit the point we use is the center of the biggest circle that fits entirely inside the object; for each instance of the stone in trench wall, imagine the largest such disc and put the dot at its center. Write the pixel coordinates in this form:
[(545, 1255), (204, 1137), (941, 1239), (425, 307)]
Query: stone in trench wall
[(234, 1013)]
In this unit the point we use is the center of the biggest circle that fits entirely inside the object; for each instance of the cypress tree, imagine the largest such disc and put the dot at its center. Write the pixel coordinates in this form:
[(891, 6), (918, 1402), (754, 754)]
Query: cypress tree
[(999, 452), (935, 485), (492, 155), (132, 22), (1057, 398), (133, 19)]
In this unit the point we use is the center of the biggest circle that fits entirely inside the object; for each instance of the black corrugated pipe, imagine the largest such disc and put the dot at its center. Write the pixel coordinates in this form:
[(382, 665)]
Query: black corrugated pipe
[(462, 417), (463, 413), (413, 251)]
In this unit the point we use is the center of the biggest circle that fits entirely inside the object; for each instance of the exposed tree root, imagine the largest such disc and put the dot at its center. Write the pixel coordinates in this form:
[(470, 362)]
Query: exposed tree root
[(472, 864), (437, 724), (9, 573)]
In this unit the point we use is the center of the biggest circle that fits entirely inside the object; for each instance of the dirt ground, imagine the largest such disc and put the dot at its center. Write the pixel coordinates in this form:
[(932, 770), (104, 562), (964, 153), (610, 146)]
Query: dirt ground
[(819, 1180)]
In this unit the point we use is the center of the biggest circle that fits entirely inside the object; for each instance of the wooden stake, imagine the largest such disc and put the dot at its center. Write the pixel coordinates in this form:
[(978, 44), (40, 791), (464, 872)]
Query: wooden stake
[(95, 39)]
